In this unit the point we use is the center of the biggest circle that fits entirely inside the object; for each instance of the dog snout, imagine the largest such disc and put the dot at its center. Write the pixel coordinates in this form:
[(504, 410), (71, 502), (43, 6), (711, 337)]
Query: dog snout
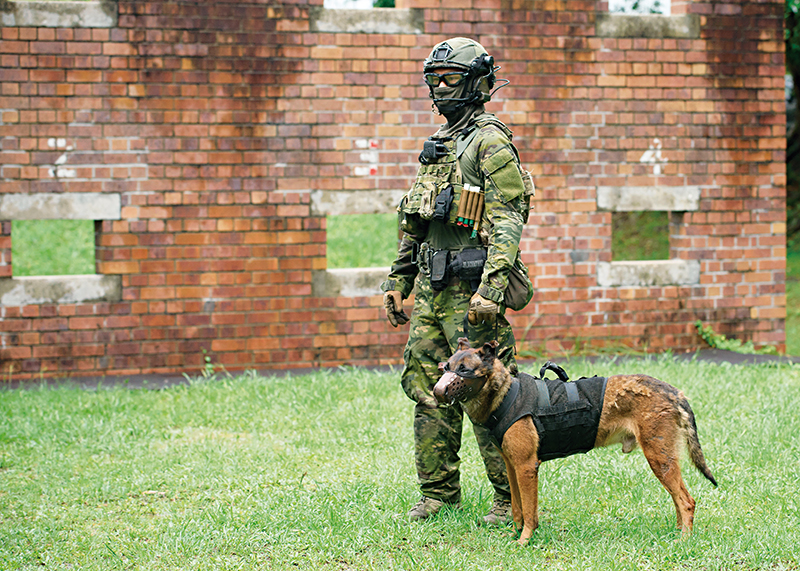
[(442, 386)]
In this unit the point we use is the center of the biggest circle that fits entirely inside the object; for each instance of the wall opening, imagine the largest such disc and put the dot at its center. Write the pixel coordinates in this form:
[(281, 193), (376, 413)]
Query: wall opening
[(52, 247), (640, 235), (361, 240)]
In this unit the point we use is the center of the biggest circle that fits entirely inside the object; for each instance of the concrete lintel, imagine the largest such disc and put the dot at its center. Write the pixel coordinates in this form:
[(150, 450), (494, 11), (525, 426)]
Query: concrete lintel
[(61, 206), (348, 282), (94, 14), (648, 273), (333, 202), (38, 290), (375, 21), (682, 26), (636, 198)]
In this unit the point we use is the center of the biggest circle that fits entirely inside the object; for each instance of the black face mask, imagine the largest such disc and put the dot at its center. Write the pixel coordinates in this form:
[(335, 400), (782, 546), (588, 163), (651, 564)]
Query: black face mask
[(450, 97)]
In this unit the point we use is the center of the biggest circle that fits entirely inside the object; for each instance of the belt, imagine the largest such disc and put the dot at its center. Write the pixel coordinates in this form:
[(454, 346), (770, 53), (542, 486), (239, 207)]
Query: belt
[(448, 267)]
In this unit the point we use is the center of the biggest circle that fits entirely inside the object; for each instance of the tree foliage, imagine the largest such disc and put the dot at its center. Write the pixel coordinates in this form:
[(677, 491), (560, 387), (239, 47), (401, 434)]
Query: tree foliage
[(792, 39)]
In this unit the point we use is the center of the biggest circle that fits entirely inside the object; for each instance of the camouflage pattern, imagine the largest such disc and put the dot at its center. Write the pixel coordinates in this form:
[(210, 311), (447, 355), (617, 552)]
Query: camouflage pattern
[(436, 324), (489, 161)]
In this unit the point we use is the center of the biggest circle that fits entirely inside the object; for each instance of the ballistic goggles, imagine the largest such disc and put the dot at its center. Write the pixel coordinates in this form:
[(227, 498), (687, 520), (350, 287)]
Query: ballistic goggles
[(450, 78)]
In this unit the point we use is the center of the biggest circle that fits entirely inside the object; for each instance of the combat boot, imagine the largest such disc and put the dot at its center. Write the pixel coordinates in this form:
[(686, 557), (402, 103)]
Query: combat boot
[(500, 514), (427, 507)]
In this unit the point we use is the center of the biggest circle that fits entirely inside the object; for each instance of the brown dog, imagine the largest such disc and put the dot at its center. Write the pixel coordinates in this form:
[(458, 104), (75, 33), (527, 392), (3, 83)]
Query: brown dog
[(632, 409)]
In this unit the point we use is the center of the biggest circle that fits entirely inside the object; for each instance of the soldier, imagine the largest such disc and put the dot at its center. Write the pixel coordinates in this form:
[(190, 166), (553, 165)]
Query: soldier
[(461, 222)]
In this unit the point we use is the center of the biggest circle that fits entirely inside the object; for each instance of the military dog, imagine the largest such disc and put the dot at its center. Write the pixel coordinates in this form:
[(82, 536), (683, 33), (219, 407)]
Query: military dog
[(632, 409)]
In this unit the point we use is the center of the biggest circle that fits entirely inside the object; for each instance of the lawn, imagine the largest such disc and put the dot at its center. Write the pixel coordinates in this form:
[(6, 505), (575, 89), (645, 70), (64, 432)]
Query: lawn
[(310, 472), (52, 247)]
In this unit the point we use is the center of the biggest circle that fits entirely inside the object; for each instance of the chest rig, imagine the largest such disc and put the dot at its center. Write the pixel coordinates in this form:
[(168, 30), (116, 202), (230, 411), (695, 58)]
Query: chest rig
[(454, 208), (439, 183)]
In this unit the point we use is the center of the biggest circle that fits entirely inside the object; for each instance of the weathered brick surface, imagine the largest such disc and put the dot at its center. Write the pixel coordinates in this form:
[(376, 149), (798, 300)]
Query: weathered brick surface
[(217, 121)]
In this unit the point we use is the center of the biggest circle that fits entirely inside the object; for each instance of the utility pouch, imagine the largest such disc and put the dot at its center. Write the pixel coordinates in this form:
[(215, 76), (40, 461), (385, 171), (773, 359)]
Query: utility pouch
[(444, 200), (432, 150), (468, 263), (520, 289), (438, 267)]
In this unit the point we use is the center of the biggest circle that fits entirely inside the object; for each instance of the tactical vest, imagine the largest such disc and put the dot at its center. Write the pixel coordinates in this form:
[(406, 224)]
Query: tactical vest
[(442, 171), (441, 187), (566, 414)]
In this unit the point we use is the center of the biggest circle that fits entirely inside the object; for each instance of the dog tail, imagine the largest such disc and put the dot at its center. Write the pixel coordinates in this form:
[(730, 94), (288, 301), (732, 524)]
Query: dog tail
[(695, 452)]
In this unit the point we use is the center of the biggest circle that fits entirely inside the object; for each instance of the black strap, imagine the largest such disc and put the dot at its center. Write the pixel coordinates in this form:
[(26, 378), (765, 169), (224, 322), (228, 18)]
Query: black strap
[(544, 394), (507, 403), (572, 392)]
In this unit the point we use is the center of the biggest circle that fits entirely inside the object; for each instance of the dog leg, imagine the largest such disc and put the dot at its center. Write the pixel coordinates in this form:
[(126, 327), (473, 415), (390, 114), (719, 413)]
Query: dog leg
[(661, 452), (516, 505), (520, 444)]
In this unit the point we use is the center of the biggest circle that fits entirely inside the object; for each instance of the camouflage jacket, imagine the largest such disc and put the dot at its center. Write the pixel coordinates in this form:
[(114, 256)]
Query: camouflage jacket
[(484, 157)]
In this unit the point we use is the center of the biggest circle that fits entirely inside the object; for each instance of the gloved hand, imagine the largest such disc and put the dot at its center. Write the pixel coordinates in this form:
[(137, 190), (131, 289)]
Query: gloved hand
[(393, 303), (482, 310)]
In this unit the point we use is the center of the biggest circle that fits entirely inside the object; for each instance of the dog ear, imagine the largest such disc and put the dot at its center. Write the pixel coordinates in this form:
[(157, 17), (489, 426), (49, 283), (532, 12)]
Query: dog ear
[(489, 350), (463, 343)]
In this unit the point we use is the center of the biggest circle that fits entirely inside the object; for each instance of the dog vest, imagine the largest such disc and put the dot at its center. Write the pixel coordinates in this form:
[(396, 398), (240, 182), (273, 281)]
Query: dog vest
[(566, 414)]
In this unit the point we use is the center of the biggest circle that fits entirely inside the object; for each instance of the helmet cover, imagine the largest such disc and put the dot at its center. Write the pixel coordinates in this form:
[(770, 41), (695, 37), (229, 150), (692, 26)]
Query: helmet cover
[(471, 57)]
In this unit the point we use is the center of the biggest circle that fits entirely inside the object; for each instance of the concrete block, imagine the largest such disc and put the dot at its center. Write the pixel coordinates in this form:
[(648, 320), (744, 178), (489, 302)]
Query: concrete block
[(375, 21), (648, 273), (39, 290), (333, 202), (683, 26), (348, 282), (58, 206), (655, 198), (97, 14)]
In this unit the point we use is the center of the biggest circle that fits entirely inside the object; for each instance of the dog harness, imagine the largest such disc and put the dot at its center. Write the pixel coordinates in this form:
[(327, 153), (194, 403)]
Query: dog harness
[(566, 414)]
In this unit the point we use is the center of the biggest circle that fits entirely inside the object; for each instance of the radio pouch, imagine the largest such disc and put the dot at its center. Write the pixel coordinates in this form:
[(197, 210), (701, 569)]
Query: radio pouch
[(441, 209), (438, 267), (432, 150), (468, 265)]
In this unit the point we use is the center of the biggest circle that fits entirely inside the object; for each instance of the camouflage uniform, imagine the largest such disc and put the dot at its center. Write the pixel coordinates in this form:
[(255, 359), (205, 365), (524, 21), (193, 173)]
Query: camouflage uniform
[(487, 160)]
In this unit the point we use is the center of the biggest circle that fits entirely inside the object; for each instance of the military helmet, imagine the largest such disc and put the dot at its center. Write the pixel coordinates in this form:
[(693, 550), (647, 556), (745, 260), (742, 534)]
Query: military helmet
[(467, 55)]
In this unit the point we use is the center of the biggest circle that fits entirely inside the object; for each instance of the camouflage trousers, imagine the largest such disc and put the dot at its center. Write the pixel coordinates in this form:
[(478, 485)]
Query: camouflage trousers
[(436, 324)]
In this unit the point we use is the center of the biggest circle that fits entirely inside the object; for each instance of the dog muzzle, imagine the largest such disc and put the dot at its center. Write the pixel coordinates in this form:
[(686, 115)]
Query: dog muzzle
[(451, 388)]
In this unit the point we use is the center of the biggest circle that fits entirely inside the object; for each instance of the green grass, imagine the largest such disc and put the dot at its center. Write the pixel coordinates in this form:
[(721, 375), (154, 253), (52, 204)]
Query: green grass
[(310, 472), (52, 247), (639, 236), (362, 240)]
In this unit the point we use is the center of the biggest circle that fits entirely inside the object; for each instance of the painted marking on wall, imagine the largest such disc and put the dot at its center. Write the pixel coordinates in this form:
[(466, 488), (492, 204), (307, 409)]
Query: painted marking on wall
[(653, 155), (367, 144), (58, 171), (365, 171), (369, 156)]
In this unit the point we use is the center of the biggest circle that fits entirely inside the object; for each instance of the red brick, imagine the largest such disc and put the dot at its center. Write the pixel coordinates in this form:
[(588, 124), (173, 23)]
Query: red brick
[(216, 163)]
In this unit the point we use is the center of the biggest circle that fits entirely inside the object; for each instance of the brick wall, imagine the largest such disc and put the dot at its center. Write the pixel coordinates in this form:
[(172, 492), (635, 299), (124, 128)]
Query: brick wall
[(224, 126)]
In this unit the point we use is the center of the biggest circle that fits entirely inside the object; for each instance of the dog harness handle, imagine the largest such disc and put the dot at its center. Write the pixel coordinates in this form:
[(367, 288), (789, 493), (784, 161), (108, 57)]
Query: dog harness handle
[(550, 366)]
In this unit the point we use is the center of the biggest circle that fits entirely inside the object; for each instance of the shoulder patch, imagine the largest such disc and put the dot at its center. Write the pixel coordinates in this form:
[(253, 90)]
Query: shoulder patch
[(498, 160), (502, 169)]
